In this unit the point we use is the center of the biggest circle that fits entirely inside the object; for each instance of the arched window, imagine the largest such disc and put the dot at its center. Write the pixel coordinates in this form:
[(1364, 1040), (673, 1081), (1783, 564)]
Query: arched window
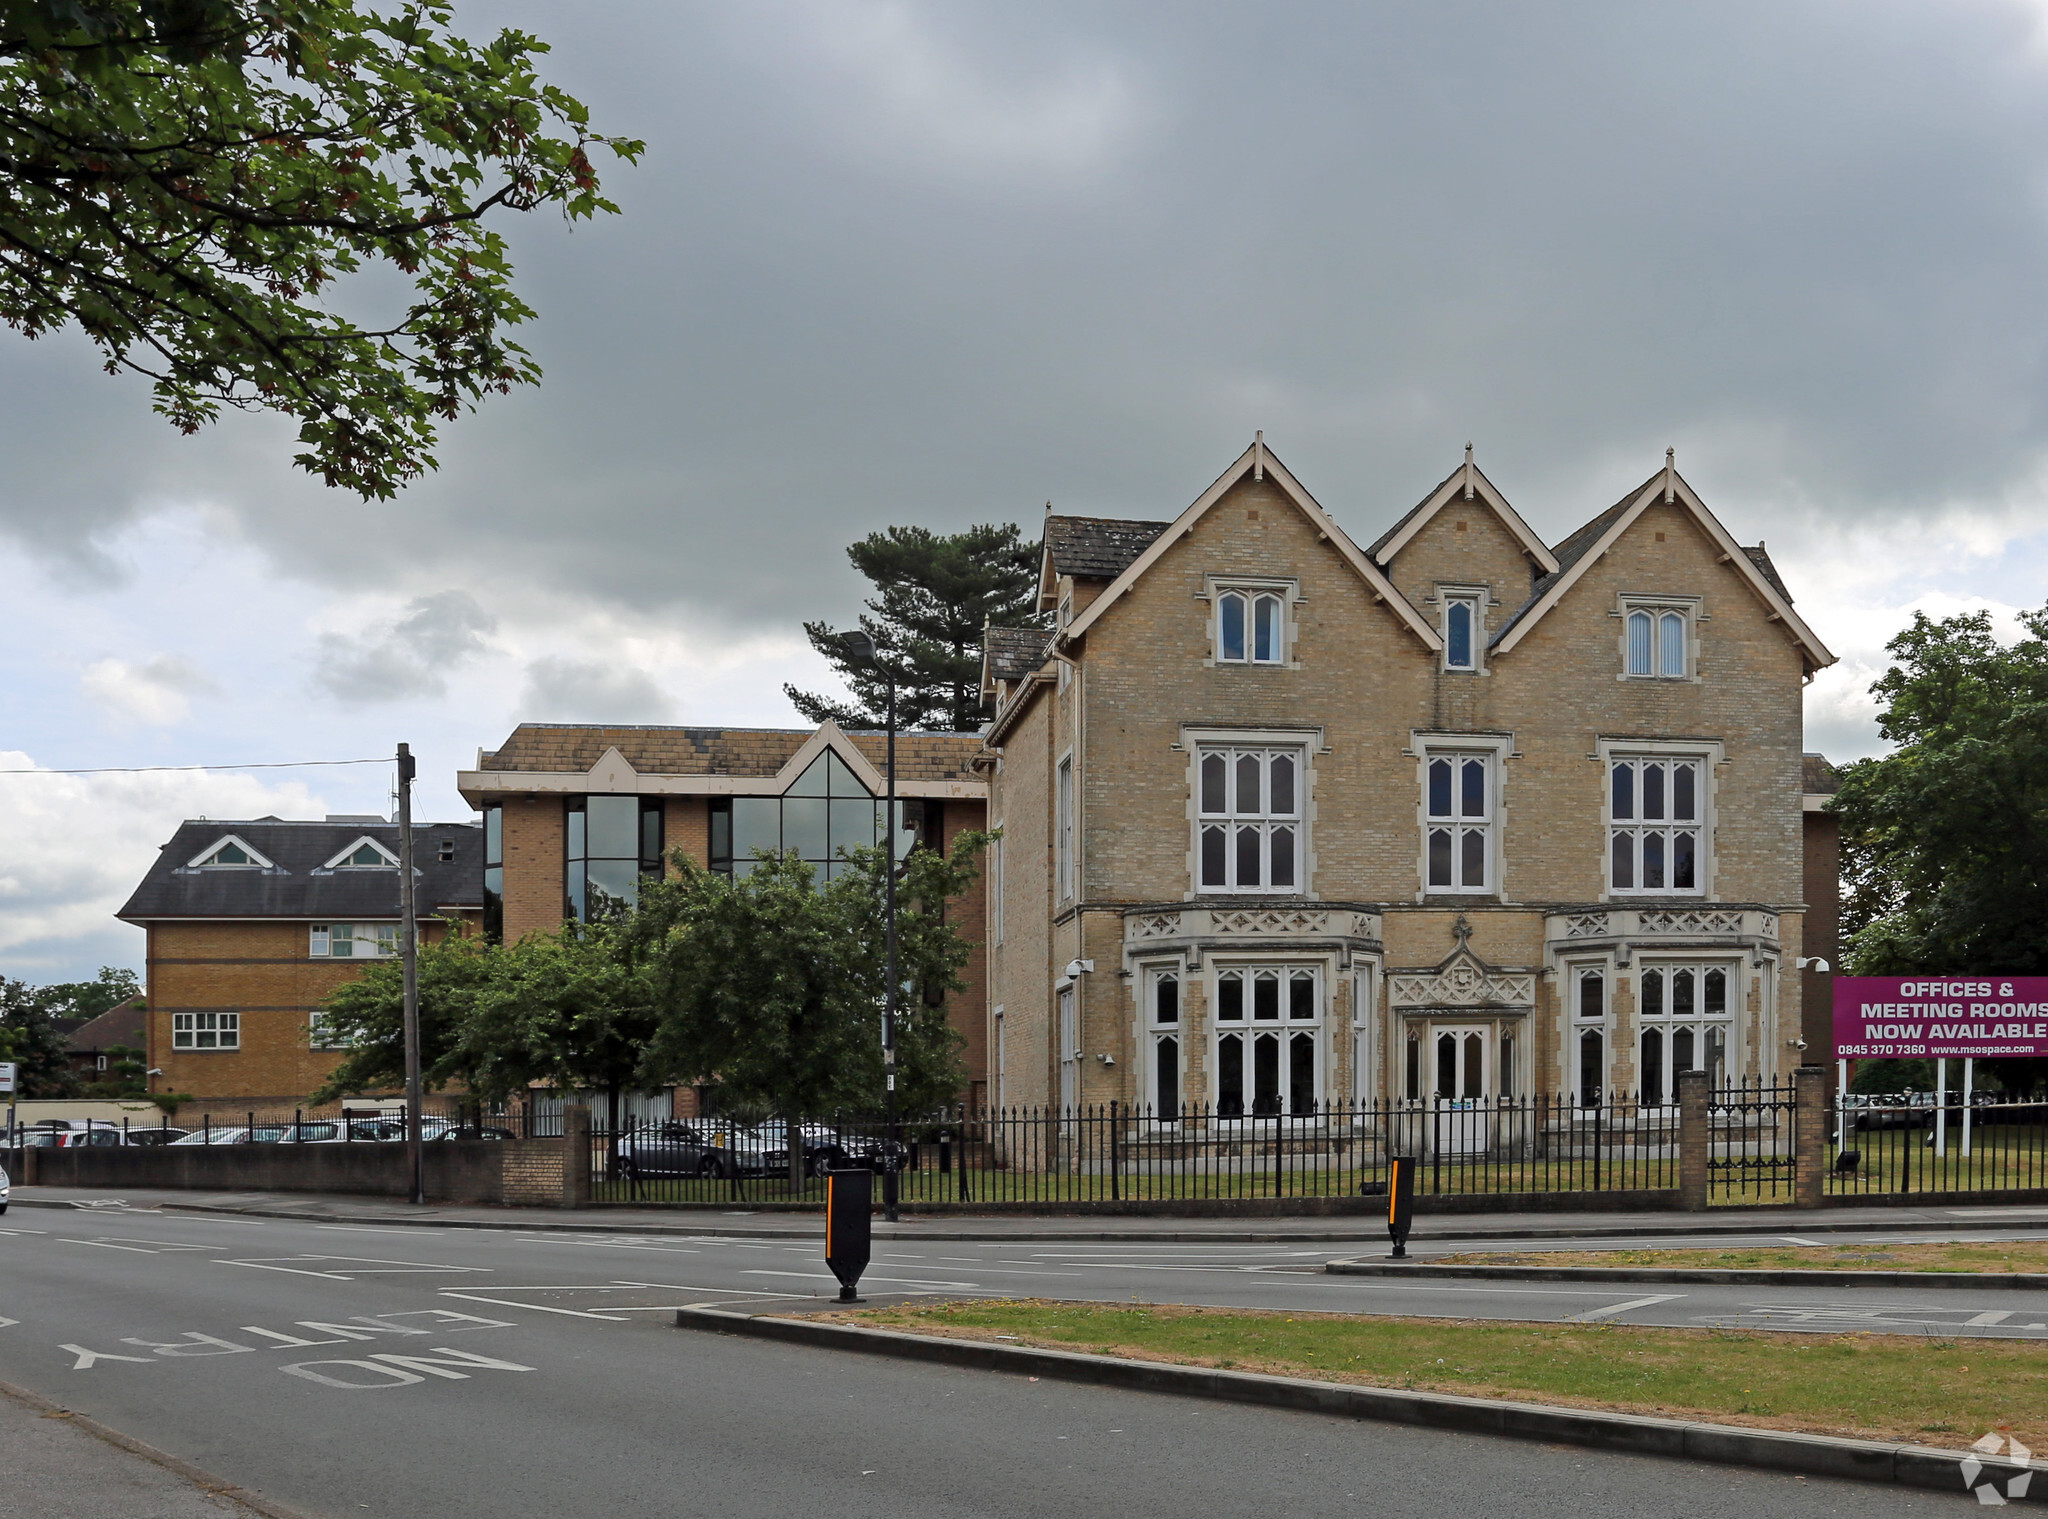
[(1592, 1067), (1266, 630), (1461, 625), (1670, 644), (1642, 638), (1230, 620)]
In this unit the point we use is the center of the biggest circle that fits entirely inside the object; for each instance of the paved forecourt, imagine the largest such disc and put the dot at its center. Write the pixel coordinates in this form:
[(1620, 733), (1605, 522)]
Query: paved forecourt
[(353, 1369)]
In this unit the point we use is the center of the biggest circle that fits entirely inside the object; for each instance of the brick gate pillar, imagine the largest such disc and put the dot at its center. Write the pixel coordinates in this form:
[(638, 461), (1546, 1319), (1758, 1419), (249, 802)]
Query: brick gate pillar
[(575, 1156), (1809, 1135), (1695, 1140)]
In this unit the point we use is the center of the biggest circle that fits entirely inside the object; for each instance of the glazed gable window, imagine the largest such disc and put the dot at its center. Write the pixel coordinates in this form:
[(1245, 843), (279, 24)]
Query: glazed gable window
[(1249, 819), (1657, 833), (1462, 628), (1251, 625), (1657, 640)]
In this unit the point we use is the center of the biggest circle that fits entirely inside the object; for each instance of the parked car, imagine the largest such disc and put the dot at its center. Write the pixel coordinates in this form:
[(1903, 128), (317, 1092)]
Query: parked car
[(260, 1134), (1890, 1110), (673, 1148), (472, 1131), (825, 1149), (4, 1188)]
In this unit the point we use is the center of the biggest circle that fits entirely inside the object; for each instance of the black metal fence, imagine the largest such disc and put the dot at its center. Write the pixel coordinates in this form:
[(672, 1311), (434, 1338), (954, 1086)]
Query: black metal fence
[(1752, 1150), (1924, 1142), (1115, 1153), (341, 1123)]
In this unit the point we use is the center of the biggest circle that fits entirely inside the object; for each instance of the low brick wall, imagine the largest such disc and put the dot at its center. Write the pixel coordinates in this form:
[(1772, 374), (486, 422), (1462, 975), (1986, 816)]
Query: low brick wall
[(518, 1171)]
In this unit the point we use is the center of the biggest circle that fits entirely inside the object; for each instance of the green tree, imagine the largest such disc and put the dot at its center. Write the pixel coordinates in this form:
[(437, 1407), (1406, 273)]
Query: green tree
[(935, 594), (189, 182), (1945, 839), (773, 987), (35, 1042), (74, 1002), (565, 1009), (366, 1016)]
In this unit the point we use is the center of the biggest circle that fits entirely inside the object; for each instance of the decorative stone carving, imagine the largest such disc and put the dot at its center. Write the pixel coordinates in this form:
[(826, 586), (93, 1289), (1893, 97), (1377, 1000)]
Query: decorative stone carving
[(1462, 982), (1163, 925), (1690, 921), (1586, 925), (1284, 920)]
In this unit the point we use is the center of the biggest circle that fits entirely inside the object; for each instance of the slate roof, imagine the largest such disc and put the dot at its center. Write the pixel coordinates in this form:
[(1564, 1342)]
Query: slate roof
[(298, 886), (1569, 552), (1097, 548), (124, 1023), (1817, 777), (1013, 653), (575, 747), (1762, 561)]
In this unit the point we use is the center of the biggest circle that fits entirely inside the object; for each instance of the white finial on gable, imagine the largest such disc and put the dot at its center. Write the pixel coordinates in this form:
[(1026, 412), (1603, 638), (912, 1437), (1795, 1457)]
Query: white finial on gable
[(1670, 469), (1468, 471), (1259, 454)]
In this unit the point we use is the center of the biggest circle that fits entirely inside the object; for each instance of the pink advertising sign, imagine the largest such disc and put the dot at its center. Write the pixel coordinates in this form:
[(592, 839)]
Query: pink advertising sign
[(1893, 1017)]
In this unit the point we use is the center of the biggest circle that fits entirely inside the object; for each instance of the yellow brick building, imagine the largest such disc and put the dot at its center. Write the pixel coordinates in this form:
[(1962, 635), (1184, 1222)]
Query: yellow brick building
[(1288, 820)]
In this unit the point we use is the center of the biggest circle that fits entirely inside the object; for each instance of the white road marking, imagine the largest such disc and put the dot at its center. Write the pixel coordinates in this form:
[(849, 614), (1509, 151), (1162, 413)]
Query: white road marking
[(574, 1313), (1995, 1316), (1633, 1303), (1796, 1240), (24, 1231), (139, 1246), (736, 1291), (8, 1323), (351, 1266), (87, 1358)]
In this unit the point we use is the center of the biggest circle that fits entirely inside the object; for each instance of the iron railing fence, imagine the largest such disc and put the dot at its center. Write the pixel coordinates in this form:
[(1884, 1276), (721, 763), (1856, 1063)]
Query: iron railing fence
[(1752, 1135), (1924, 1142), (1114, 1152), (348, 1122)]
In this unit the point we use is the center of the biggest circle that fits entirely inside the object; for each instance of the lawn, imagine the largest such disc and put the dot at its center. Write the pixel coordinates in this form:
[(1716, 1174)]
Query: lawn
[(1891, 1387), (2003, 1257)]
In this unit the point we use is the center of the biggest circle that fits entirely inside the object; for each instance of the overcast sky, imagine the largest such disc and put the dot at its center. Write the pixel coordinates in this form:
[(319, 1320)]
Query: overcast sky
[(893, 263)]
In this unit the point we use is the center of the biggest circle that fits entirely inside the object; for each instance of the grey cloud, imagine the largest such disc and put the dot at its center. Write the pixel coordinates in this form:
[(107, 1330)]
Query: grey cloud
[(563, 690), (409, 657), (1080, 252)]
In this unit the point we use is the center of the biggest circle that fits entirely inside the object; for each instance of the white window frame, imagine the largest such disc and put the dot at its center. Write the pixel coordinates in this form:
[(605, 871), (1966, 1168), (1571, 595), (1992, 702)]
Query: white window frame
[(1668, 1023), (1707, 756), (1577, 1025), (322, 1037), (1364, 1038), (1283, 595), (204, 859), (1264, 822), (1063, 827), (1494, 751), (1153, 1031), (379, 941), (1686, 609), (387, 860), (1473, 599), (211, 1031), (1285, 1026)]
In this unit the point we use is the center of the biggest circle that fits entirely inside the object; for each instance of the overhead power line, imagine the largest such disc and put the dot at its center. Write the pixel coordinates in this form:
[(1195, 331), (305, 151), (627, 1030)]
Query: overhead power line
[(382, 759)]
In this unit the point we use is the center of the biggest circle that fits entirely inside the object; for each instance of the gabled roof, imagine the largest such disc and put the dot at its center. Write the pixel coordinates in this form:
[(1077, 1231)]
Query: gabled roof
[(123, 1023), (1010, 654), (256, 860), (1465, 483), (297, 885), (1817, 777), (1577, 553), (1259, 461), (1090, 548), (387, 857)]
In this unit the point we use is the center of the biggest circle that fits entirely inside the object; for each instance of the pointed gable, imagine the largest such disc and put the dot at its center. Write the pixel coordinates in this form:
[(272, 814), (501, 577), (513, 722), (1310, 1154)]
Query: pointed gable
[(1465, 486), (1584, 548), (1258, 463)]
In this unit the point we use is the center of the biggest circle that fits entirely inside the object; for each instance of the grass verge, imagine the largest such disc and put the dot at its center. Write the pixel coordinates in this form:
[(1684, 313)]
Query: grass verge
[(2002, 1257), (1881, 1387)]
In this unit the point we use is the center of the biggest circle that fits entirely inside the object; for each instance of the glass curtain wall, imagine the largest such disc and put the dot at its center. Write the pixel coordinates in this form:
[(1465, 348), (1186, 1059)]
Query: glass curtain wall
[(614, 842), (825, 810)]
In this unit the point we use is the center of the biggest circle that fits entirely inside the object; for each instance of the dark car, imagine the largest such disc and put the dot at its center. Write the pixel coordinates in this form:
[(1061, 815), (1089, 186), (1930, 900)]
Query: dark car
[(473, 1131), (671, 1148)]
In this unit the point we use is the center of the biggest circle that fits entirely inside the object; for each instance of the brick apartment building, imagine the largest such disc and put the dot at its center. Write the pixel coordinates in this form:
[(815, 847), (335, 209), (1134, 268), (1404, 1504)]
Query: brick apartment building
[(251, 925), (1288, 820), (575, 816)]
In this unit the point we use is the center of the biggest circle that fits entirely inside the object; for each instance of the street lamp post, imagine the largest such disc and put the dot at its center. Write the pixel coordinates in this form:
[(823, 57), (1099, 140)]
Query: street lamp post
[(860, 650)]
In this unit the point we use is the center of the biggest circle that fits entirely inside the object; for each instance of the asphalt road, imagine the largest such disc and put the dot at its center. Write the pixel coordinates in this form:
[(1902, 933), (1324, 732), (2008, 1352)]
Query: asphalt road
[(352, 1370)]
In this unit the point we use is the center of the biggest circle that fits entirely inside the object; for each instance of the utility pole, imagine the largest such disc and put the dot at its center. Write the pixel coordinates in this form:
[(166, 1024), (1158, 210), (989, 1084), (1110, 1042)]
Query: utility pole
[(861, 650), (409, 948)]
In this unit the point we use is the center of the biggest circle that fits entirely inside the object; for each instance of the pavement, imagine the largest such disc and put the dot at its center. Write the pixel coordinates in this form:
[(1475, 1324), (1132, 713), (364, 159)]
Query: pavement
[(741, 1223), (350, 1369)]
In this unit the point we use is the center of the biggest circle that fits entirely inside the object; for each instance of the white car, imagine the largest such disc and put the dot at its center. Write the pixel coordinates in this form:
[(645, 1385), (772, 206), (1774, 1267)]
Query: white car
[(3, 1189)]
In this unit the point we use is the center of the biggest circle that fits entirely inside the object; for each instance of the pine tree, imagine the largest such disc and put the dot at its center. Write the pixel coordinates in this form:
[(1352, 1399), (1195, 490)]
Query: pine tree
[(935, 593)]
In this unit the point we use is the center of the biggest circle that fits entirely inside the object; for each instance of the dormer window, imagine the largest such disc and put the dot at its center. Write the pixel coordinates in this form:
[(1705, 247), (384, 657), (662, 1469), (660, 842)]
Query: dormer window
[(230, 854), (1461, 629), (364, 854), (1657, 642), (1251, 626)]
